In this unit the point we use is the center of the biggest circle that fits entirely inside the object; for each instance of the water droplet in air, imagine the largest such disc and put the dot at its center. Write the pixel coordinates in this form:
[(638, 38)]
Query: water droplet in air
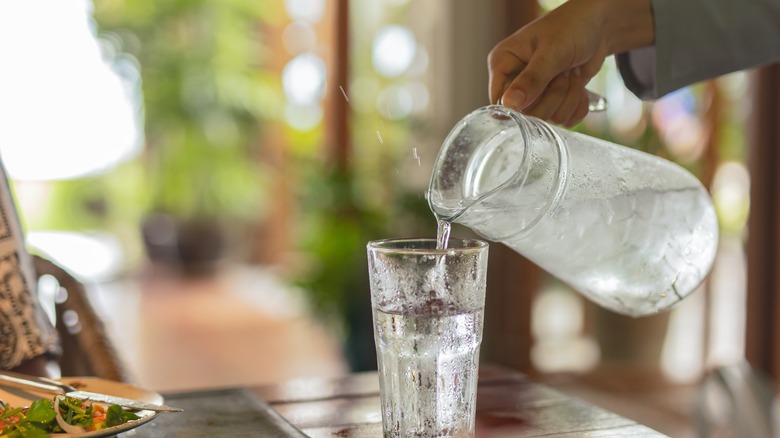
[(344, 93)]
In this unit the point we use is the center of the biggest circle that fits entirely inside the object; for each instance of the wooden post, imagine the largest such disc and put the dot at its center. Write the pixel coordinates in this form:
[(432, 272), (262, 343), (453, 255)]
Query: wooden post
[(271, 240), (763, 245), (337, 108)]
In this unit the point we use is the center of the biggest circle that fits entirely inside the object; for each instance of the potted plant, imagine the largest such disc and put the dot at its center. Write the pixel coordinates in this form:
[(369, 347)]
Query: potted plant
[(205, 97)]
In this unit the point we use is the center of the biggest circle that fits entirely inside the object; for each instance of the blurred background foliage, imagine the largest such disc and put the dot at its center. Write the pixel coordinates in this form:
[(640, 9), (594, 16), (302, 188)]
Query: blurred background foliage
[(207, 98), (221, 98)]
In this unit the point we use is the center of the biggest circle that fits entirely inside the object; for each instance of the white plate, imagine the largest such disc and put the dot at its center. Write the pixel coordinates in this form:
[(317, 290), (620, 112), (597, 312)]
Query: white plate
[(19, 397)]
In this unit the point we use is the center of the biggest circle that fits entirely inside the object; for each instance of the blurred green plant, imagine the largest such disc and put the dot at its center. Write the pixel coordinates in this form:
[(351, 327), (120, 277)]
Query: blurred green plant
[(335, 227), (206, 96)]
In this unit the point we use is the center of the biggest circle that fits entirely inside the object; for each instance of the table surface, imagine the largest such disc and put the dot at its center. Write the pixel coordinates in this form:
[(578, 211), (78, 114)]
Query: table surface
[(508, 405)]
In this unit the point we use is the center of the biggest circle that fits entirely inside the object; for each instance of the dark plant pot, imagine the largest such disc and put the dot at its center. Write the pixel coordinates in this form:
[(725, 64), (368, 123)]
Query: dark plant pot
[(192, 246), (628, 341)]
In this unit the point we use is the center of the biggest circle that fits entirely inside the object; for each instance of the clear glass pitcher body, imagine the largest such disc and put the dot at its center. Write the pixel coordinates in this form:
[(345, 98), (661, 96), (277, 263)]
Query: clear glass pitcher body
[(631, 231)]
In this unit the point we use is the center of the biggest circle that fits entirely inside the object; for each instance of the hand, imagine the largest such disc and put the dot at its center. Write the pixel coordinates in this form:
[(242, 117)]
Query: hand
[(542, 69)]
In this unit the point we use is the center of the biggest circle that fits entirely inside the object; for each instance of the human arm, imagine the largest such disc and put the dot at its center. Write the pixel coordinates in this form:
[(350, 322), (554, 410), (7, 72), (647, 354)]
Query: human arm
[(28, 341), (702, 39), (542, 69)]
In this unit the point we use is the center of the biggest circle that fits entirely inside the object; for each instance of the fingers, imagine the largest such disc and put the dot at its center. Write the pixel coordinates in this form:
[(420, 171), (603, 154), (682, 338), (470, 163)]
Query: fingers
[(564, 101), (573, 109), (542, 70), (521, 67), (574, 106), (532, 58), (504, 65), (520, 88), (498, 83), (549, 103), (579, 113)]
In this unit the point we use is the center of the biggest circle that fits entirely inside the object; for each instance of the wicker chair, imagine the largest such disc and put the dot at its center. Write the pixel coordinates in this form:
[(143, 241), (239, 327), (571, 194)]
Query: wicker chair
[(86, 348)]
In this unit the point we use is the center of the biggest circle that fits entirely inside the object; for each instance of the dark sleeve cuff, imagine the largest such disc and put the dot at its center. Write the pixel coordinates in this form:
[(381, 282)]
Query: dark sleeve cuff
[(637, 69)]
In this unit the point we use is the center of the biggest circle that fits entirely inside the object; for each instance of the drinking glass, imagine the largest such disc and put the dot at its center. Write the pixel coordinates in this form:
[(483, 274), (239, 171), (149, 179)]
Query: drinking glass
[(428, 307)]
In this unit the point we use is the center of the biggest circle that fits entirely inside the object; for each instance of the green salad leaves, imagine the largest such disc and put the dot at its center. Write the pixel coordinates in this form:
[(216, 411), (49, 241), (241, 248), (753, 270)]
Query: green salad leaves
[(61, 414)]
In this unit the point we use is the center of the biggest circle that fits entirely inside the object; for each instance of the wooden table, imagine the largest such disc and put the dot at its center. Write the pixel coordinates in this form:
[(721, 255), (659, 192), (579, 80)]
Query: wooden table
[(508, 405)]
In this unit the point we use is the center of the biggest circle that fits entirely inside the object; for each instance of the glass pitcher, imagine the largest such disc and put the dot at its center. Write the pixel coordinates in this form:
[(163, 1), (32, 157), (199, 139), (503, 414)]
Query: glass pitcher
[(631, 231)]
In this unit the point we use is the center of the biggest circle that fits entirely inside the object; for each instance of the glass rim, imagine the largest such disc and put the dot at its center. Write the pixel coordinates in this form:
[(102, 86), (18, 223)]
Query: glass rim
[(395, 245)]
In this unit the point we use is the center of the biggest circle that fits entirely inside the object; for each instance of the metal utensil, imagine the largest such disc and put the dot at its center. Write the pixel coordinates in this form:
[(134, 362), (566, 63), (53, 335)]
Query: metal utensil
[(24, 381)]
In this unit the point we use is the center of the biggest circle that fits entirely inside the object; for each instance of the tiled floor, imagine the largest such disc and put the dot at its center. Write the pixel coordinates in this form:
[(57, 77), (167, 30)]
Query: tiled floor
[(240, 326)]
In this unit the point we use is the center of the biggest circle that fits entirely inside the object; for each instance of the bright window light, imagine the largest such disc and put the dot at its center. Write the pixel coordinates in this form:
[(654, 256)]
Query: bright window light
[(299, 37), (303, 79), (303, 117), (64, 110), (305, 10), (394, 50), (95, 256), (395, 102)]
